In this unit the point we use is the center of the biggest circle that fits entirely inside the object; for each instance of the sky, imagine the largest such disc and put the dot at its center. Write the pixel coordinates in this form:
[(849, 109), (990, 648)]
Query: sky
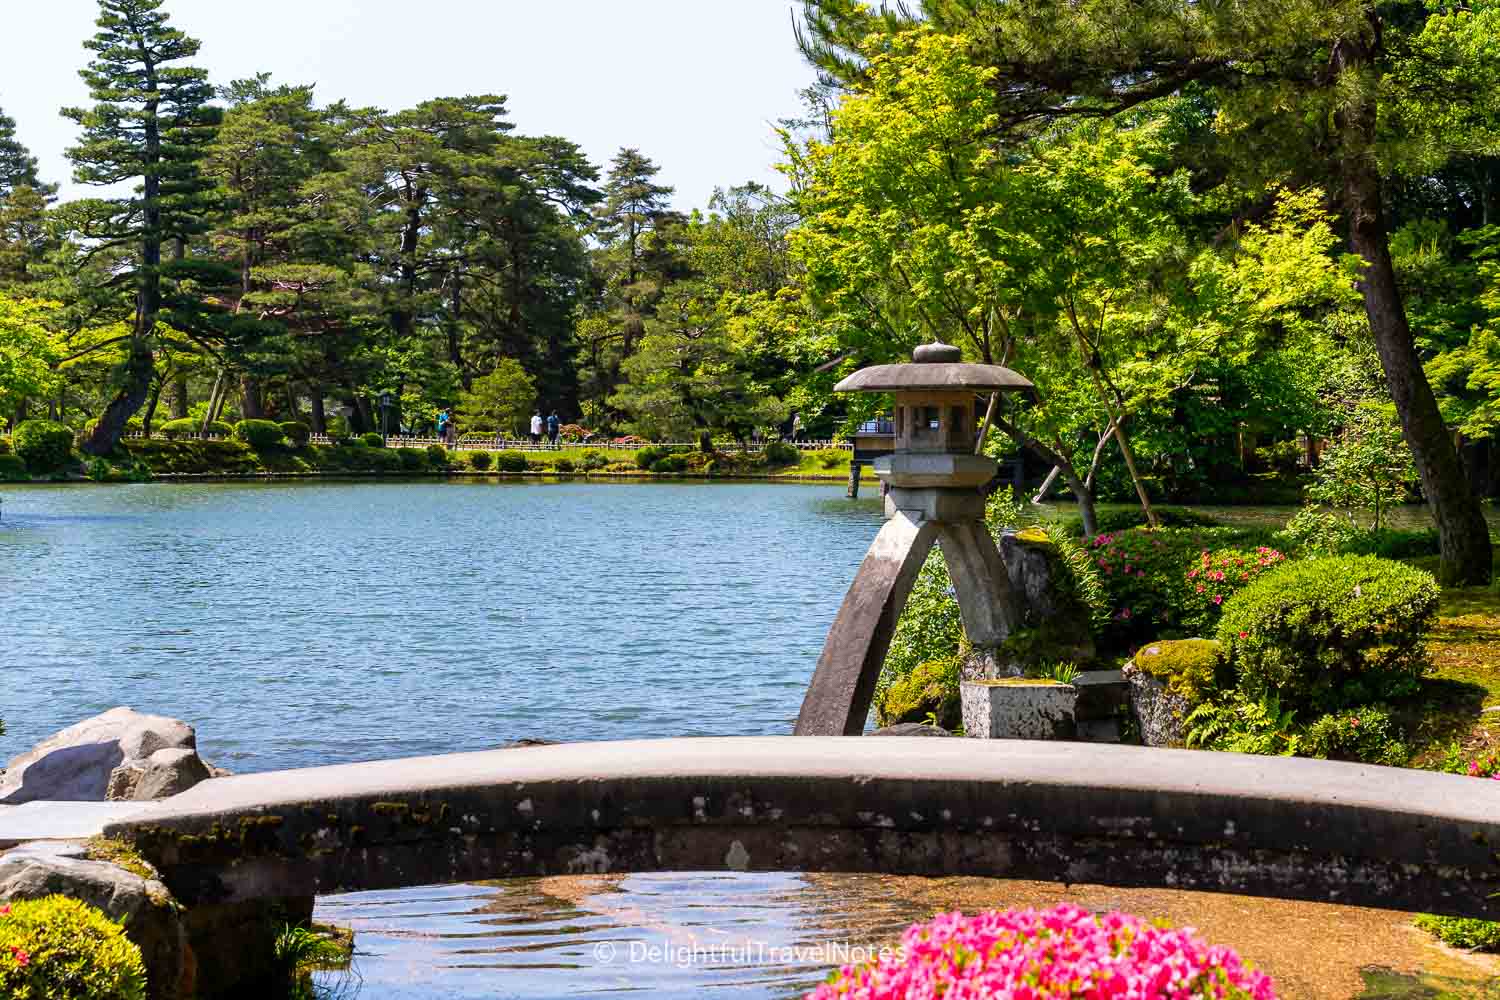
[(694, 84)]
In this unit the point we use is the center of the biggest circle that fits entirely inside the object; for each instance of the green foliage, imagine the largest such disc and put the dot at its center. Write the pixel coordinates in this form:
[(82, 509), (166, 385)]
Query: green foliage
[(194, 457), (1078, 580), (191, 427), (13, 469), (564, 465), (829, 458), (480, 460), (437, 456), (412, 459), (372, 440), (1369, 468), (1143, 574), (260, 434), (44, 445), (1065, 672), (502, 397), (779, 453), (296, 432), (511, 461), (1239, 724), (1313, 531), (650, 455), (1367, 733), (1462, 932), (1324, 633), (672, 463), (72, 952), (1188, 667), (593, 461), (27, 350), (930, 689), (930, 628)]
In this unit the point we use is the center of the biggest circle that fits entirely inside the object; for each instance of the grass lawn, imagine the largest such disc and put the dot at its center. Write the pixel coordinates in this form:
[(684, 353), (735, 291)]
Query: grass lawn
[(1465, 678)]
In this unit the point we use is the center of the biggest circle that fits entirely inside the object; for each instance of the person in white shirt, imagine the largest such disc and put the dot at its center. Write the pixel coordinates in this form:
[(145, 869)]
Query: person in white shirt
[(536, 428)]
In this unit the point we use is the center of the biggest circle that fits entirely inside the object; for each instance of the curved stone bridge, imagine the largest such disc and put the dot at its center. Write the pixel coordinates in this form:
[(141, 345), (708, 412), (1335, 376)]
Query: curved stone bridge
[(1125, 816)]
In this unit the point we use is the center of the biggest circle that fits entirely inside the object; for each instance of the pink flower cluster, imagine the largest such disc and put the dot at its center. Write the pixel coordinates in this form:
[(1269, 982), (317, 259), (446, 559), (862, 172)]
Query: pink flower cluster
[(1485, 767), (1217, 576), (1065, 952), (19, 955)]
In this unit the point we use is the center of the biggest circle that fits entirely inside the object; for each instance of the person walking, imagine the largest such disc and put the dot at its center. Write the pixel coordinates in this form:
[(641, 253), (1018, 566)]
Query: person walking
[(554, 428), (442, 426), (536, 427), (450, 430)]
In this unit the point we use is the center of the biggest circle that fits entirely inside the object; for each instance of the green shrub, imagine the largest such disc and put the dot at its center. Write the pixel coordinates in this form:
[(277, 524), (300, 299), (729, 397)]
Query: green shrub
[(1124, 520), (1366, 733), (4, 446), (437, 456), (480, 460), (650, 455), (1393, 543), (510, 461), (44, 445), (1313, 531), (564, 465), (71, 952), (1329, 632), (372, 440), (593, 461), (260, 434), (831, 458), (1462, 932), (780, 453), (621, 467), (929, 691), (670, 464), (930, 628), (412, 459), (13, 469), (297, 433), (192, 426), (1143, 575), (1188, 667), (194, 456)]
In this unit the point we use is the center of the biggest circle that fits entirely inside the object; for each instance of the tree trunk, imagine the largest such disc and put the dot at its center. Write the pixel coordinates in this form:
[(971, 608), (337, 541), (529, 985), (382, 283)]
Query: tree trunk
[(180, 398), (127, 401), (151, 403), (1081, 491), (1465, 537), (250, 401), (319, 415)]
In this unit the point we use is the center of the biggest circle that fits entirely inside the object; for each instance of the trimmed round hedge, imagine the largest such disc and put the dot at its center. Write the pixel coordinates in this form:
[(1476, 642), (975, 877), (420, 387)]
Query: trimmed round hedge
[(191, 426), (1331, 631), (63, 949), (260, 434), (510, 461), (44, 445), (372, 440), (297, 433)]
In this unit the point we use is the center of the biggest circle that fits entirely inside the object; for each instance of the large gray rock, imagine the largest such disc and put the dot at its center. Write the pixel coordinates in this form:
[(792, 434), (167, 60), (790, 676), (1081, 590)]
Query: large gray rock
[(143, 905), (1158, 711), (169, 771), (106, 757)]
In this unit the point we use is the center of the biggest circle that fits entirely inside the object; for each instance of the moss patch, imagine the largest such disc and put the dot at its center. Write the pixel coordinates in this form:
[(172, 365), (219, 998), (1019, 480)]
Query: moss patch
[(1465, 678), (1186, 666), (929, 691), (121, 854)]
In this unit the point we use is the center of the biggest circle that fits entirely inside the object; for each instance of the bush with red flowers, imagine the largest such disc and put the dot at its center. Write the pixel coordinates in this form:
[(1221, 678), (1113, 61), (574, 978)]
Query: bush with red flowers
[(1058, 954)]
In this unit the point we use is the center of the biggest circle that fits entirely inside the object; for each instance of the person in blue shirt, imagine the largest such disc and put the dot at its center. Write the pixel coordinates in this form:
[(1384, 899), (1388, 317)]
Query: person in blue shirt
[(554, 427)]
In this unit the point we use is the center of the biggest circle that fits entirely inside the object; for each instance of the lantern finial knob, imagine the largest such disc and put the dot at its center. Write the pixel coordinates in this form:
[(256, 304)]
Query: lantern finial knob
[(937, 353)]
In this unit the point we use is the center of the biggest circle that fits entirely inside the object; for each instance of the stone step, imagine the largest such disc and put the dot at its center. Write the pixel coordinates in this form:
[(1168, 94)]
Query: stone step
[(1099, 731), (1102, 695)]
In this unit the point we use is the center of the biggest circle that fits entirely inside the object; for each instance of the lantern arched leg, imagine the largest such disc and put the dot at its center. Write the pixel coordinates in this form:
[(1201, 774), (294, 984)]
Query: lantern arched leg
[(843, 685), (981, 583)]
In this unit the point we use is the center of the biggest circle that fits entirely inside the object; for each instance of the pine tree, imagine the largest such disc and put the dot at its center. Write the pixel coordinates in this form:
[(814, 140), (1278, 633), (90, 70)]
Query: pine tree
[(639, 255), (17, 165), (151, 125)]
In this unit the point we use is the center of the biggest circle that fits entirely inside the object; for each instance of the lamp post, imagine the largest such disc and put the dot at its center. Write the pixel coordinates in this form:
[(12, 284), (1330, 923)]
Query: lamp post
[(933, 479), (385, 424)]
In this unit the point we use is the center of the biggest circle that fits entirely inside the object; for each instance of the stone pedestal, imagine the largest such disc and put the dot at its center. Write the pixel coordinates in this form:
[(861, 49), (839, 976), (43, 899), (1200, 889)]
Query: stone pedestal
[(1019, 710)]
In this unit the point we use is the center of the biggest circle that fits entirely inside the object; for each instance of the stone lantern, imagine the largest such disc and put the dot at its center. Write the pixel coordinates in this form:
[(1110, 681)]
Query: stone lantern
[(933, 478)]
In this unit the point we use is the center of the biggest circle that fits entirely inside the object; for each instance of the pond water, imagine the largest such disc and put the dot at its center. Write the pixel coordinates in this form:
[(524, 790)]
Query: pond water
[(302, 624)]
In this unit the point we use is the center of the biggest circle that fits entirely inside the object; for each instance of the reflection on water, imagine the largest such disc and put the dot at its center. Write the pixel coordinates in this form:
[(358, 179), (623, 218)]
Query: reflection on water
[(756, 935)]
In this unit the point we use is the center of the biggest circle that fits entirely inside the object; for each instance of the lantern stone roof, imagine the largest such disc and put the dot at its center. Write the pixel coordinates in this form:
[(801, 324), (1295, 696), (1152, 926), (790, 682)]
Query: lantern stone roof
[(934, 368)]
